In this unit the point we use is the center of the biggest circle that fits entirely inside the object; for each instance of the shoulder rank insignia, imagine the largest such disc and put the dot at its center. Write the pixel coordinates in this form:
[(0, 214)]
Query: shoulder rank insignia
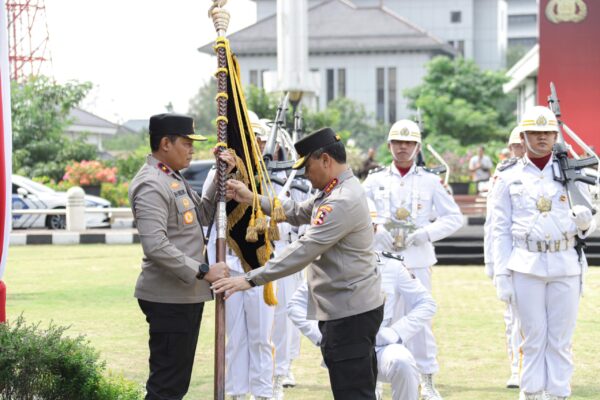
[(164, 168), (376, 170), (506, 164), (322, 212), (395, 256)]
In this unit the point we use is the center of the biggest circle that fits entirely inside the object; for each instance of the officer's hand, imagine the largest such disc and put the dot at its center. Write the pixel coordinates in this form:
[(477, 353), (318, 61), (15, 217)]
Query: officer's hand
[(504, 289), (417, 238), (226, 156), (231, 285), (383, 240), (582, 216), (386, 336), (217, 271), (238, 191)]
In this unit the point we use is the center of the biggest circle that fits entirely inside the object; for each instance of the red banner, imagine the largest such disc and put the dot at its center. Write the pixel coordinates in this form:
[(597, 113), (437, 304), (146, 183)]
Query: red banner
[(570, 57)]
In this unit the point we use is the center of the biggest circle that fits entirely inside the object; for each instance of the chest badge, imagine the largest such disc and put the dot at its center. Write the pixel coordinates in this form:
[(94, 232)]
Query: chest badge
[(188, 217), (174, 185), (402, 213), (563, 198), (543, 204), (185, 202)]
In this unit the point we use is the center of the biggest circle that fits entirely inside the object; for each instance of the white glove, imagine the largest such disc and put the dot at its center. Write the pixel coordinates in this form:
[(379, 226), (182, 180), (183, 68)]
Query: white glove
[(383, 240), (582, 216), (504, 289), (489, 270), (386, 336), (417, 238)]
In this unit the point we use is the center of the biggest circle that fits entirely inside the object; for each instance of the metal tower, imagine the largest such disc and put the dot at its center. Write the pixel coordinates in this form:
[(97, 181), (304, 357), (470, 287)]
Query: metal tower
[(29, 53)]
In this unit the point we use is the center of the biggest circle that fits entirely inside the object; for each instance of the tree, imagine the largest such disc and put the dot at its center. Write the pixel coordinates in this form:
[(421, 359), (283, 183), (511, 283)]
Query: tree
[(203, 108), (458, 99), (40, 110)]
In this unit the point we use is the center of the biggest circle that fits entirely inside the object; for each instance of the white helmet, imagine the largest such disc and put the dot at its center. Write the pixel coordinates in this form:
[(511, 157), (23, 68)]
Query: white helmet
[(373, 211), (259, 128), (515, 136), (405, 130), (539, 119)]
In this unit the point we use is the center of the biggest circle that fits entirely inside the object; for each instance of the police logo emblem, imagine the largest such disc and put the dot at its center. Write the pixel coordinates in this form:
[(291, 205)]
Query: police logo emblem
[(186, 202), (174, 185), (543, 204), (541, 121), (321, 214), (402, 213), (558, 11), (188, 217), (404, 131)]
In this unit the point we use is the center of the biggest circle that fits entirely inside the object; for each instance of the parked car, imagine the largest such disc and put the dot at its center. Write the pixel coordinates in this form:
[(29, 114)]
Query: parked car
[(27, 194), (196, 173)]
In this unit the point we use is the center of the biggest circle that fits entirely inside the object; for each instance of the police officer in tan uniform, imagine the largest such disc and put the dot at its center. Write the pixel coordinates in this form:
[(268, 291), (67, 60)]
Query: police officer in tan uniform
[(344, 283), (174, 282)]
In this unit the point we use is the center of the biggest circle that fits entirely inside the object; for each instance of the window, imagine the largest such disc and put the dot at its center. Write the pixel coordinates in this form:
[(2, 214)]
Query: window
[(522, 19), (392, 95), (254, 77), (341, 92), (380, 76), (330, 85), (460, 46), (455, 17)]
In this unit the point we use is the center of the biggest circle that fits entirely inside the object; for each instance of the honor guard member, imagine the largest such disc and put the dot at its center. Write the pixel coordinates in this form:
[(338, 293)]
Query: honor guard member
[(248, 321), (343, 280), (536, 266), (408, 308), (511, 318), (174, 282), (406, 196)]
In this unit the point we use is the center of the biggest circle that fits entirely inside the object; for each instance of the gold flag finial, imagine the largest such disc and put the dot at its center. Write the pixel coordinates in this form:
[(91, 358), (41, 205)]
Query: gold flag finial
[(220, 16)]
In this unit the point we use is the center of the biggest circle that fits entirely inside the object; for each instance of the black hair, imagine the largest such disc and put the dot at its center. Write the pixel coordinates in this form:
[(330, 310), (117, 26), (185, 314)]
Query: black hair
[(155, 141), (336, 150)]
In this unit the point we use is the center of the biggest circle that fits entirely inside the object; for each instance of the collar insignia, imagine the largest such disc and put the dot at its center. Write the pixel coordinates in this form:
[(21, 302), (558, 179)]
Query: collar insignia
[(330, 186)]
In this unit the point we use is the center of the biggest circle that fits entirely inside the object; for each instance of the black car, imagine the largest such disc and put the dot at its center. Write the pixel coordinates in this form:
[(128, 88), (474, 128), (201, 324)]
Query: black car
[(196, 173)]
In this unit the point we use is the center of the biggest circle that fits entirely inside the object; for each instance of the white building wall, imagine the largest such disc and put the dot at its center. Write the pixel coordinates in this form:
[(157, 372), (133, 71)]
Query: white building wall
[(491, 32), (361, 78)]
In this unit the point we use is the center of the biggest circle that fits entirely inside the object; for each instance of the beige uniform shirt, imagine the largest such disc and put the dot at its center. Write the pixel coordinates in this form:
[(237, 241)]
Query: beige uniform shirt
[(343, 279), (171, 235)]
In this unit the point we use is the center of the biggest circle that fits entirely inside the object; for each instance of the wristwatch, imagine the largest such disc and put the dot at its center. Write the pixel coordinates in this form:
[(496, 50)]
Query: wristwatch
[(202, 271), (249, 279)]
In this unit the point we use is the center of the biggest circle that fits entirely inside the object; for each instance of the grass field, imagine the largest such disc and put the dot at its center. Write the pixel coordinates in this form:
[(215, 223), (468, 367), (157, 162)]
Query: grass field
[(89, 287)]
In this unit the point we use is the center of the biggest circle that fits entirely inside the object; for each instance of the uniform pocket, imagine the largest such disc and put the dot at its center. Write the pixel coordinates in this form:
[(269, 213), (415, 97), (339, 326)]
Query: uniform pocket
[(186, 213)]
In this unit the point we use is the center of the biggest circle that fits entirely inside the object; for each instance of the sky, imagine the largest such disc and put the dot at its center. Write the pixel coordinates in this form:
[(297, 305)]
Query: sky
[(139, 55)]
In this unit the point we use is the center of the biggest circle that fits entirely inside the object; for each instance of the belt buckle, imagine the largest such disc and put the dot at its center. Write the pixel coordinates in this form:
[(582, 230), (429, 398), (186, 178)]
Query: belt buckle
[(557, 245)]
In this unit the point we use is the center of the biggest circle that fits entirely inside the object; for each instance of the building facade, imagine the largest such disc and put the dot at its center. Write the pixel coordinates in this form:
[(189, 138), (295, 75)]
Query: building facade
[(523, 23)]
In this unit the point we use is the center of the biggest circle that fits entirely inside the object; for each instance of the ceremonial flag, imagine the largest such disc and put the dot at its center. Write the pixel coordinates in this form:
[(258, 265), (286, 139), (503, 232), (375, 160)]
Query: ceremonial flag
[(5, 153)]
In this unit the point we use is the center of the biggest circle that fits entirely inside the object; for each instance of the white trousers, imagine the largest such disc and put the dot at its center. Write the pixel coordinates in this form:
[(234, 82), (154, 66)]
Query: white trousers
[(286, 337), (513, 338), (548, 311), (397, 366), (249, 351), (422, 345)]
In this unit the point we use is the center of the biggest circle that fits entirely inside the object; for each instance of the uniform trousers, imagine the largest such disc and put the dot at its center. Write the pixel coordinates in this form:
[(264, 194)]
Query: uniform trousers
[(422, 345), (397, 366), (249, 351), (513, 337), (348, 349), (286, 337), (548, 311), (174, 332)]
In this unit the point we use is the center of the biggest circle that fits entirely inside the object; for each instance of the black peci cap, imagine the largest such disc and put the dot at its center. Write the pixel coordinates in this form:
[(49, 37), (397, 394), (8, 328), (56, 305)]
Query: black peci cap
[(315, 141), (173, 124)]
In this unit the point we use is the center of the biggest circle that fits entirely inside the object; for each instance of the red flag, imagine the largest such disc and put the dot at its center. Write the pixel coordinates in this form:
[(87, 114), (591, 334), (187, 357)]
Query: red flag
[(5, 154)]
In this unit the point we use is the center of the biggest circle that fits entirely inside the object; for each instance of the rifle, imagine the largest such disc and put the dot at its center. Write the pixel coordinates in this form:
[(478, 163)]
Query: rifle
[(569, 171), (420, 157)]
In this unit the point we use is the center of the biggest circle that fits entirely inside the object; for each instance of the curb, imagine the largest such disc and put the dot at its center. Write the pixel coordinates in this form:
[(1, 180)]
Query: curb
[(66, 238)]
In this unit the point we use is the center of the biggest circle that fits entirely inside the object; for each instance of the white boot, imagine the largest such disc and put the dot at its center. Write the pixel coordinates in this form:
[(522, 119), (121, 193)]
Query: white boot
[(513, 381), (428, 390), (278, 387), (263, 398), (289, 380), (531, 396), (238, 397), (553, 397)]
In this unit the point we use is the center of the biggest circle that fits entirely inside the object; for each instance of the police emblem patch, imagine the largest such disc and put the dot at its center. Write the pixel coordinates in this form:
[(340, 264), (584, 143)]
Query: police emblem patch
[(404, 131), (321, 214), (185, 202), (541, 121), (188, 217), (174, 185)]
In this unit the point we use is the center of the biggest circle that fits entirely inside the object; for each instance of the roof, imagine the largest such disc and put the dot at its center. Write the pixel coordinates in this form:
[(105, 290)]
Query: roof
[(85, 121), (339, 26), (525, 68)]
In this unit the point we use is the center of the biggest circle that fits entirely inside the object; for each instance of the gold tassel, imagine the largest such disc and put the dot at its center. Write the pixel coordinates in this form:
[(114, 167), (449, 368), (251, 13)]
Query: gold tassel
[(261, 222), (269, 294), (251, 233), (278, 214), (274, 230)]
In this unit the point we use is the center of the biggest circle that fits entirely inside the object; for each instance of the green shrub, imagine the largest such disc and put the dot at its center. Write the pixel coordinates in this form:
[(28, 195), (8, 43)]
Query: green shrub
[(47, 365), (116, 193)]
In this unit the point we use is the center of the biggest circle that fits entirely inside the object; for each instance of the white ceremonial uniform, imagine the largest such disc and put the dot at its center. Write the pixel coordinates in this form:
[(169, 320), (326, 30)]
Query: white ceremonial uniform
[(286, 337), (249, 323), (396, 364), (421, 194), (533, 242), (511, 319)]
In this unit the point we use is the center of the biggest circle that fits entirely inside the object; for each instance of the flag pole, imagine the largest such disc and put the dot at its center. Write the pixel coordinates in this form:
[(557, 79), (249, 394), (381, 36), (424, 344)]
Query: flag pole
[(220, 18)]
